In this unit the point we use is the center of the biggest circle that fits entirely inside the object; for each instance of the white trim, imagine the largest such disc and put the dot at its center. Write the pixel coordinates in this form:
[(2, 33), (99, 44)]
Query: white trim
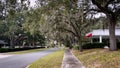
[(100, 39)]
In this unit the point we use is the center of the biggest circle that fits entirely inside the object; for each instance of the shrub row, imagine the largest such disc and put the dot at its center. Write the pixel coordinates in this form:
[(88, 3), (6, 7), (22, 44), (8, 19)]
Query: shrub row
[(94, 45), (2, 50), (118, 45)]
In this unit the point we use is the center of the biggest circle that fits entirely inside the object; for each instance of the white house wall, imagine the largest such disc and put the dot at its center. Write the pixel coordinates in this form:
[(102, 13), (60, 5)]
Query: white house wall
[(105, 32)]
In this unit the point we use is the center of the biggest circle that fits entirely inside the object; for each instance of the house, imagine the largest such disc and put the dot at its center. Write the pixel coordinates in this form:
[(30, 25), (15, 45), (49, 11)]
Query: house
[(2, 43), (102, 34)]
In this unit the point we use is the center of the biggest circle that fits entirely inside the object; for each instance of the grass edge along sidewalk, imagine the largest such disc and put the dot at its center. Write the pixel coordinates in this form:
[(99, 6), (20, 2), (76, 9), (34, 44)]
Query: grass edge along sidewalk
[(99, 58), (70, 61), (53, 60)]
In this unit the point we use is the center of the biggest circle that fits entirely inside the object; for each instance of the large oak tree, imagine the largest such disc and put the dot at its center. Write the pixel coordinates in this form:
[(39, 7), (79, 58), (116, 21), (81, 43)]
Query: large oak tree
[(111, 8)]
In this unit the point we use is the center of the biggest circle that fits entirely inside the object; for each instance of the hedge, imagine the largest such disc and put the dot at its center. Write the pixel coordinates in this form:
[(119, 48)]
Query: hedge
[(98, 45), (2, 50), (118, 45), (93, 45)]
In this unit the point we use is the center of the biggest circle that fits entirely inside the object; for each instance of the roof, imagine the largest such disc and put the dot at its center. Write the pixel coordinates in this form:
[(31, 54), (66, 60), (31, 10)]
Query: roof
[(2, 42), (104, 32)]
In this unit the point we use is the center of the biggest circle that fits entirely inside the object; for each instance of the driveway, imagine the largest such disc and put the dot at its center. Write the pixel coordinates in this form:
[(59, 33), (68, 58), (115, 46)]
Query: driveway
[(21, 61)]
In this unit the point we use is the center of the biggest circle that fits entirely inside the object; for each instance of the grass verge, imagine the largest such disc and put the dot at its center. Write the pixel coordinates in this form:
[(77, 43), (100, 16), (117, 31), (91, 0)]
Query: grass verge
[(27, 51), (53, 60), (99, 58)]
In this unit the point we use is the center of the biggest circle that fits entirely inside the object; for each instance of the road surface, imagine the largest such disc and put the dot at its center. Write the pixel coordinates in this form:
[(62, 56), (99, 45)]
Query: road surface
[(21, 61)]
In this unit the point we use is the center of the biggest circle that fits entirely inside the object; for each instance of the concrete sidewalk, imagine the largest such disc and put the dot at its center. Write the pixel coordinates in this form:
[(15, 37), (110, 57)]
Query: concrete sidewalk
[(70, 61)]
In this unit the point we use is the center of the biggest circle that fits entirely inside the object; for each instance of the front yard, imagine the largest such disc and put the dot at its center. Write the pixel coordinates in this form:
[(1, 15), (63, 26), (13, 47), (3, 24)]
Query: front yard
[(99, 58)]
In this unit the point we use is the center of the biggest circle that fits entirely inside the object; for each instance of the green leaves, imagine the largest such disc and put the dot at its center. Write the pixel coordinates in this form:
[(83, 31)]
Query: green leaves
[(12, 2), (102, 2)]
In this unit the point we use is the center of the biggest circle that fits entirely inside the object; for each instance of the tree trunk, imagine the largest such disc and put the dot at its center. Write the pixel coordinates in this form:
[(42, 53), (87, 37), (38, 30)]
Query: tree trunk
[(11, 43), (70, 40), (80, 44), (112, 37)]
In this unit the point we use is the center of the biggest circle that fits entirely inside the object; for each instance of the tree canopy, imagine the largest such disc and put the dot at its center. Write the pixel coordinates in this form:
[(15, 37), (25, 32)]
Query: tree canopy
[(58, 20)]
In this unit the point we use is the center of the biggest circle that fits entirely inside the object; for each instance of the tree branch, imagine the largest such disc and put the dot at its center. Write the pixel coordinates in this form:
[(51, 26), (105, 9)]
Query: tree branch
[(70, 31), (103, 9), (106, 6), (95, 10), (117, 13)]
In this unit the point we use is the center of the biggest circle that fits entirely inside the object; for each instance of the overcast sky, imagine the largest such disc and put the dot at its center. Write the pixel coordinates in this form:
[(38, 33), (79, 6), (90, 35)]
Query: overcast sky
[(32, 2)]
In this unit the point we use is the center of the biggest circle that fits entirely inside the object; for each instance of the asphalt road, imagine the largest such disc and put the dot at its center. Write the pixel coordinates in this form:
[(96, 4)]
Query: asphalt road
[(21, 61)]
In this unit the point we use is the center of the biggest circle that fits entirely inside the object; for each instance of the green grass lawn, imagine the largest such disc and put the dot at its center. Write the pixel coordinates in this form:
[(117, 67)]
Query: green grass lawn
[(27, 51), (99, 58), (53, 60)]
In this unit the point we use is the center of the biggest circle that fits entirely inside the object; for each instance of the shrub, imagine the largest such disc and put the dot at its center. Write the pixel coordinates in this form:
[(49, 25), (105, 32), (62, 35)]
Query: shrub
[(118, 45), (4, 49), (17, 49), (93, 45), (76, 47)]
